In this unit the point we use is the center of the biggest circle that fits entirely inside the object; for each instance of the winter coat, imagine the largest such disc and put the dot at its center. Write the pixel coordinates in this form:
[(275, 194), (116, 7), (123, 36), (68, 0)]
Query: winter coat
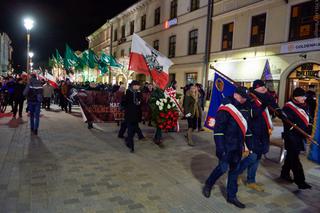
[(260, 129), (294, 140), (48, 91), (34, 91), (18, 92), (189, 105), (131, 103), (228, 137)]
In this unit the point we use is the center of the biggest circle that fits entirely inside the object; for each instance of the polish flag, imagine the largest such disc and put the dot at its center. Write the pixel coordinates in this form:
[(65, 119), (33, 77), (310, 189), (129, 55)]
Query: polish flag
[(51, 80), (146, 60)]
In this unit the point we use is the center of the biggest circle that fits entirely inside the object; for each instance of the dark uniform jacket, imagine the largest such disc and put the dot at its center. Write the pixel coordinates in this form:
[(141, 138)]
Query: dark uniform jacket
[(260, 131), (228, 136), (131, 102), (34, 91), (293, 139)]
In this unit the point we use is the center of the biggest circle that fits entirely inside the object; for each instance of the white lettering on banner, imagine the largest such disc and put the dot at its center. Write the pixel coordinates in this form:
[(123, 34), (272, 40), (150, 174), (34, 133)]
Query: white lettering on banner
[(299, 46)]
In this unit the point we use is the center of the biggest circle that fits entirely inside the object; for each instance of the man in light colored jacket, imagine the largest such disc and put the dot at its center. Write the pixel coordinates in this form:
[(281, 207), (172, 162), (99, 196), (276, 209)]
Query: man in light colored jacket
[(47, 94)]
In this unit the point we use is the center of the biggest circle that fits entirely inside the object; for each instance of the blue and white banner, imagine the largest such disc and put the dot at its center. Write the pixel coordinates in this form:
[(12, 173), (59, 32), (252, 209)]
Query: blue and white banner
[(314, 153), (221, 89)]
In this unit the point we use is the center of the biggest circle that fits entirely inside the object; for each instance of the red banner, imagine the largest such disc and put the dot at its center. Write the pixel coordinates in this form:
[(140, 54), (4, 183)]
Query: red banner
[(100, 106)]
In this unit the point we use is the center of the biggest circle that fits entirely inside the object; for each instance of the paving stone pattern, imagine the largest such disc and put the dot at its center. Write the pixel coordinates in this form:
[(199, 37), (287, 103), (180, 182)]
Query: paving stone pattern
[(68, 168)]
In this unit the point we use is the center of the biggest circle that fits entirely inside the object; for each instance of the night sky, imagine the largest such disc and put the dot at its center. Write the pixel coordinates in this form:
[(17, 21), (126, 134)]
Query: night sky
[(56, 23)]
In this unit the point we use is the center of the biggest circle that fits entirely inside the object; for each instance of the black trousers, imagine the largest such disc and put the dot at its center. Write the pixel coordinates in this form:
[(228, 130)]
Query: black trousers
[(17, 103), (46, 102), (65, 104), (132, 127), (292, 162), (192, 122), (123, 128)]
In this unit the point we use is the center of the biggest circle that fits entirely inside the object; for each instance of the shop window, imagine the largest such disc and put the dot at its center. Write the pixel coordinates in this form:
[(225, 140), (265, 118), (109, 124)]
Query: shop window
[(173, 9), (193, 42), (122, 53), (131, 27), (156, 45), (194, 5), (143, 22), (227, 36), (123, 31), (157, 16), (172, 46), (191, 78), (258, 25), (304, 21), (115, 38)]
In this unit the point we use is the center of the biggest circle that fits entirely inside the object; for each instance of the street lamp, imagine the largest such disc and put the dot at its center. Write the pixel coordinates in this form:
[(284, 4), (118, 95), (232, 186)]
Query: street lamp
[(28, 24), (30, 54)]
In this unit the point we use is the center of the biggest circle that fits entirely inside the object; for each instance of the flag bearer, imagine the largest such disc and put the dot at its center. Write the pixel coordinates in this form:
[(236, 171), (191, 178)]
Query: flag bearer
[(230, 132), (296, 111)]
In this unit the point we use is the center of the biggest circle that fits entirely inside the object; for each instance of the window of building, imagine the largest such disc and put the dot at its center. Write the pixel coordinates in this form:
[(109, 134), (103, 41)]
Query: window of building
[(193, 41), (258, 26), (172, 46), (304, 21), (194, 5), (156, 44), (115, 54), (172, 77), (123, 31), (122, 53), (157, 16), (143, 22), (131, 27), (173, 9), (129, 50), (227, 36), (191, 78), (115, 35)]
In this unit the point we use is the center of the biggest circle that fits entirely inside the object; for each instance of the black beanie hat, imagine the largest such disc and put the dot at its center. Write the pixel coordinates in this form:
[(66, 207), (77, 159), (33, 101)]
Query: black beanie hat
[(298, 92), (258, 83), (243, 91)]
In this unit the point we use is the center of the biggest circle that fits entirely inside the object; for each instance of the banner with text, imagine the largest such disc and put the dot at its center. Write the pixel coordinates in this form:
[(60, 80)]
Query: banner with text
[(100, 106)]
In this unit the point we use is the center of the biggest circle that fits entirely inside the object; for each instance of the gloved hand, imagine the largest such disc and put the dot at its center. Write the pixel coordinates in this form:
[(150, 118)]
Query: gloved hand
[(220, 154), (281, 114), (188, 115)]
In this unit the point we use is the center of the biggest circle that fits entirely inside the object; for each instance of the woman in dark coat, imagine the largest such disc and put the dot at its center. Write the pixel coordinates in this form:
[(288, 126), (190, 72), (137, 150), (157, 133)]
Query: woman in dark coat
[(18, 97)]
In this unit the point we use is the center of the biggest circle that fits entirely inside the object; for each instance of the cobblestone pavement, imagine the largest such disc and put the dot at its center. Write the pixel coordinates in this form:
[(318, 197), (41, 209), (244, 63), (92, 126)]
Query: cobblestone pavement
[(68, 168)]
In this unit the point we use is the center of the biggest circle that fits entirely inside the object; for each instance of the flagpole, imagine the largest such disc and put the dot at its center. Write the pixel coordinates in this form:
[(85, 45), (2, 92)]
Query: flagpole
[(286, 120)]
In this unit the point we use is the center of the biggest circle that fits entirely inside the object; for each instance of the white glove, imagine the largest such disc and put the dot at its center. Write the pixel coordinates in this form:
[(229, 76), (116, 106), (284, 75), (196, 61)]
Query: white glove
[(188, 115)]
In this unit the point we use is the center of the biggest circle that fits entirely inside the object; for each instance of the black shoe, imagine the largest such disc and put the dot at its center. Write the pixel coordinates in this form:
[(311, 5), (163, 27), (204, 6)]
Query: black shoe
[(121, 136), (90, 126), (236, 202), (287, 178), (35, 131), (32, 131), (304, 185), (206, 191)]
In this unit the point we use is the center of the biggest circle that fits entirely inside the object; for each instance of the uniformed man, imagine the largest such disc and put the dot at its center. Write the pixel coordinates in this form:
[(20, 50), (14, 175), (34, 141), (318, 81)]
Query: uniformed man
[(261, 130), (230, 132), (296, 111)]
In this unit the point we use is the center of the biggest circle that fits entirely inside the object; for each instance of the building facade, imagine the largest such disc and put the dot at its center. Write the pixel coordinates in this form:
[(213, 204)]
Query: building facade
[(5, 54), (274, 40), (176, 28)]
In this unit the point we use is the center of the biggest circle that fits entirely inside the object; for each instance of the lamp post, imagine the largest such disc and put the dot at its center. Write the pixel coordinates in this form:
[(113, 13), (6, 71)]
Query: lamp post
[(28, 24), (30, 54)]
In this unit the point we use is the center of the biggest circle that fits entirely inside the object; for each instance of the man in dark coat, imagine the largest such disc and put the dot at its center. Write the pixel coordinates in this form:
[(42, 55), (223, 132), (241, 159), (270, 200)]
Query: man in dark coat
[(230, 132), (261, 131), (18, 97), (33, 92), (132, 112), (297, 113)]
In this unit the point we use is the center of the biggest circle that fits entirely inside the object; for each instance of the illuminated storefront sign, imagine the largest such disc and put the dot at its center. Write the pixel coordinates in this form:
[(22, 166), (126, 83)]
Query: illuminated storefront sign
[(301, 46)]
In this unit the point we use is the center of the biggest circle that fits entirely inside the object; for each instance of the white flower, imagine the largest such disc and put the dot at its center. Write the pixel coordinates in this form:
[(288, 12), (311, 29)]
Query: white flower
[(165, 100), (161, 104), (169, 106), (157, 103), (160, 108)]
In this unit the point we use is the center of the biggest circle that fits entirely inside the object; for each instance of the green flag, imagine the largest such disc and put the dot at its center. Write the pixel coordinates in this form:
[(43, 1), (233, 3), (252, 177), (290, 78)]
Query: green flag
[(92, 59), (70, 58), (103, 68), (110, 60), (59, 59)]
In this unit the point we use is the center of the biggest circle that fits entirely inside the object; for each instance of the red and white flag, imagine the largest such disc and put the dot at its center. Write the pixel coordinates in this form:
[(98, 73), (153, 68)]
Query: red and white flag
[(146, 60), (51, 80)]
